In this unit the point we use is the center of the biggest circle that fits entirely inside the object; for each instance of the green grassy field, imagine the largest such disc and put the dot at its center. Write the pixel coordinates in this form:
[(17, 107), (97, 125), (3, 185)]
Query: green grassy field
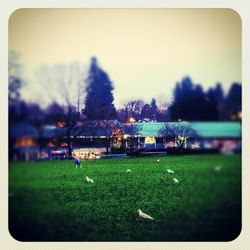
[(52, 201)]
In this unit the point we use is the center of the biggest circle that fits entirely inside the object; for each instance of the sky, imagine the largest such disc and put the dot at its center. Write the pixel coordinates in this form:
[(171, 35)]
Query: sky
[(144, 51)]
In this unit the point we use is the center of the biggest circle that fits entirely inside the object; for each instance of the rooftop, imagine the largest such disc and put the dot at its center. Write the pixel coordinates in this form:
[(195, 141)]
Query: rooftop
[(203, 129)]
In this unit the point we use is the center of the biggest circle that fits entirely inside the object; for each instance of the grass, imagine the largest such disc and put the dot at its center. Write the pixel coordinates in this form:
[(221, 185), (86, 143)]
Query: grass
[(51, 201)]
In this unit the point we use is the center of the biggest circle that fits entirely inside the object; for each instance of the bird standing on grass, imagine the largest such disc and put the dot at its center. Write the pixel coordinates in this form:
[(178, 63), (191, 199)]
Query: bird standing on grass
[(170, 171), (175, 180), (158, 160), (89, 179), (128, 171), (143, 215), (217, 168)]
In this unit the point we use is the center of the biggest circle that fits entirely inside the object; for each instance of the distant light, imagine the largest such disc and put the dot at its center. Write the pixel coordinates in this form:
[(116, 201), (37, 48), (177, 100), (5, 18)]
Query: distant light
[(60, 124), (125, 136), (50, 145), (131, 120)]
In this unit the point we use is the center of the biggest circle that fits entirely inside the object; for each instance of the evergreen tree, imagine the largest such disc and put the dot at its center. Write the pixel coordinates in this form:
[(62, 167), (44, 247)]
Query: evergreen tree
[(154, 109), (146, 111), (212, 105), (99, 99), (233, 101), (189, 102), (219, 93), (153, 104)]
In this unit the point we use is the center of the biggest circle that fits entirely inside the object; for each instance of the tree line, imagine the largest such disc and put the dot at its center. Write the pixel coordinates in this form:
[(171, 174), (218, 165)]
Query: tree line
[(190, 101)]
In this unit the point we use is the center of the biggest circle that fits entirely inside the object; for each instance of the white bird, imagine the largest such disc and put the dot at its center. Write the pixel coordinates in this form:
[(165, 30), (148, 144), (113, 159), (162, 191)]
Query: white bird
[(143, 215), (175, 180), (89, 179), (158, 160), (217, 168), (128, 170), (170, 171)]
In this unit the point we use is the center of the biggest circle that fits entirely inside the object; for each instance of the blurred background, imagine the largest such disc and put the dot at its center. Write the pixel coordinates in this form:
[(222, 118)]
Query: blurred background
[(91, 83)]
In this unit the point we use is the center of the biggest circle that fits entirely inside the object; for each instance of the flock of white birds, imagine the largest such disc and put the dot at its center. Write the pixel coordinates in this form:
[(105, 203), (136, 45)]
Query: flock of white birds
[(141, 214), (175, 180)]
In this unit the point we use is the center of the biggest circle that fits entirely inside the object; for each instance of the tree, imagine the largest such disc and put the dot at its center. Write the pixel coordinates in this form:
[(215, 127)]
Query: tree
[(133, 108), (213, 105), (139, 110), (178, 132), (122, 115), (162, 103), (15, 77), (68, 122), (219, 93), (99, 97), (153, 104), (18, 111), (233, 102), (54, 113), (72, 128), (146, 111), (63, 83), (220, 99), (17, 107), (189, 102), (154, 109), (150, 111)]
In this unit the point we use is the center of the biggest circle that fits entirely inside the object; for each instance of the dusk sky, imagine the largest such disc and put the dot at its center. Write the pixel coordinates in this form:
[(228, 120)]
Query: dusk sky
[(144, 51)]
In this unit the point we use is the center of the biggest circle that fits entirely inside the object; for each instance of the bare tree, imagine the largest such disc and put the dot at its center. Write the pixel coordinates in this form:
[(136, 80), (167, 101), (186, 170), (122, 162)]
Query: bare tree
[(162, 102), (16, 80), (63, 84), (133, 107), (179, 132)]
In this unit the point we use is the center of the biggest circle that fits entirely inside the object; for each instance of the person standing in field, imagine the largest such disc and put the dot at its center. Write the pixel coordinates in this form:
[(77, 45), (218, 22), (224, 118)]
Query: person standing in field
[(77, 161)]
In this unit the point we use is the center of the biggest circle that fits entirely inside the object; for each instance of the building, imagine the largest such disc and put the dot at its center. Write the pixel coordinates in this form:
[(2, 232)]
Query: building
[(27, 144), (23, 143), (225, 136)]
